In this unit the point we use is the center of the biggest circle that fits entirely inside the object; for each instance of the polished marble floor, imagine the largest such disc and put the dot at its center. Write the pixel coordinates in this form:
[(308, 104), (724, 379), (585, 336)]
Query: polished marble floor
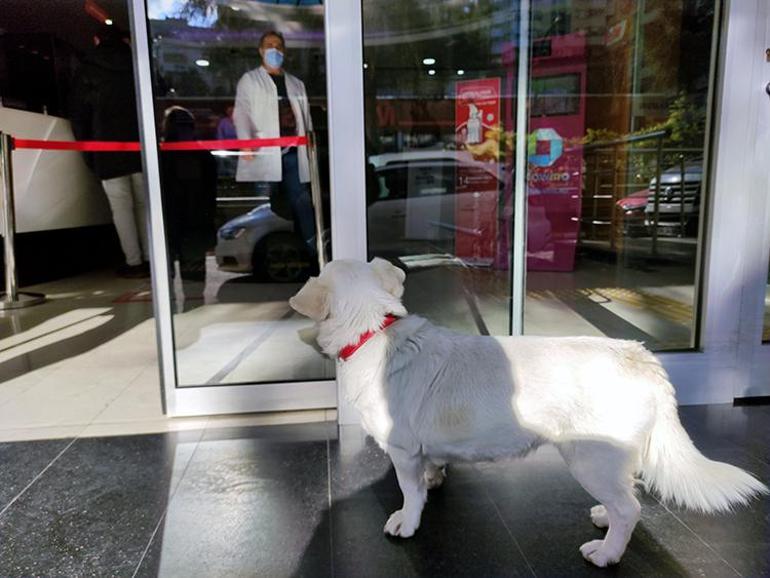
[(85, 362), (311, 500)]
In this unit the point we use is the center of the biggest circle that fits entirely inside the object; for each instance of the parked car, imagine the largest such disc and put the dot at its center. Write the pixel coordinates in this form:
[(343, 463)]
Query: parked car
[(262, 243), (413, 208), (411, 211), (634, 210), (413, 204), (678, 204)]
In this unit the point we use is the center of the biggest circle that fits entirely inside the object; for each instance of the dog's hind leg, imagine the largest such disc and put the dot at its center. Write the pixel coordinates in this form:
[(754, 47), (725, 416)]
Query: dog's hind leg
[(605, 471), (409, 470), (435, 474), (599, 516)]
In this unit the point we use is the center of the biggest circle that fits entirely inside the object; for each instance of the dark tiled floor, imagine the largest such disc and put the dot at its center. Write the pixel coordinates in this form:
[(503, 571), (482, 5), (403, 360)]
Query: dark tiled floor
[(311, 501)]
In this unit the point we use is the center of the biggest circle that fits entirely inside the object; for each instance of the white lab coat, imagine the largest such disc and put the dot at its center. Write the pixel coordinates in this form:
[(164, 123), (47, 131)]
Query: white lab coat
[(256, 116)]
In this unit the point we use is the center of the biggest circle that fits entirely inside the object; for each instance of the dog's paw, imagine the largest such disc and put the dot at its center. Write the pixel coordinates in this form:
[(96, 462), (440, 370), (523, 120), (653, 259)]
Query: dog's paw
[(399, 525), (595, 553), (599, 516), (434, 477)]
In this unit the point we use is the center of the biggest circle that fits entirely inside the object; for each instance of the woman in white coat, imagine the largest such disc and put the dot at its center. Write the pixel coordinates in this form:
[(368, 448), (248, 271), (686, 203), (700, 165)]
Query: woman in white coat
[(269, 103)]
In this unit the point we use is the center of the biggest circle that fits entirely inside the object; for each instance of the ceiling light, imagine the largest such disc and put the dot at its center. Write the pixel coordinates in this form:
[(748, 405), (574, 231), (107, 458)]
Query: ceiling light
[(202, 62), (460, 72), (366, 65), (108, 22), (431, 72), (429, 61)]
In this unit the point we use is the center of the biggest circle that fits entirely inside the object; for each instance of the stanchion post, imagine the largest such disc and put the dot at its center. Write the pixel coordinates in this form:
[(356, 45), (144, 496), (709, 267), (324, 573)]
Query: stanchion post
[(315, 191), (11, 298), (9, 225)]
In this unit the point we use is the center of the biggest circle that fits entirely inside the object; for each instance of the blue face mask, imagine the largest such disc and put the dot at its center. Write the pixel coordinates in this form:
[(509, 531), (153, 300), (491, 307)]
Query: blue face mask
[(273, 58)]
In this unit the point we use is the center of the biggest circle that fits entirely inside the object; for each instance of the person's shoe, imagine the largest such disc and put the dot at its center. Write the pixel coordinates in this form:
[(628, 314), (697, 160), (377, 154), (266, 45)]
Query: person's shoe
[(134, 271)]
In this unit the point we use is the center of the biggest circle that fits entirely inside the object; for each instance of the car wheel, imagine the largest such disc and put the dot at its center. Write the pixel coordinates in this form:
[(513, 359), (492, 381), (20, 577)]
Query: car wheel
[(282, 258)]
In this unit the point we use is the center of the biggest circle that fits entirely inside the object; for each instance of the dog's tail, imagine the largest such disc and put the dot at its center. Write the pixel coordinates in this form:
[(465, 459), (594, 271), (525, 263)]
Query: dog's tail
[(680, 474)]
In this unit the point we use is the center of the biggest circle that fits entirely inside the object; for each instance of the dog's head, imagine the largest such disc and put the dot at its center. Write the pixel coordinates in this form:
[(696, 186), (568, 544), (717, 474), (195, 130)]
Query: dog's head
[(352, 290)]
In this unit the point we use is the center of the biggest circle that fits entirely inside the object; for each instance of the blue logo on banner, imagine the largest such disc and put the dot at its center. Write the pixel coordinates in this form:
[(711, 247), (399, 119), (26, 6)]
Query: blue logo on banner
[(548, 147)]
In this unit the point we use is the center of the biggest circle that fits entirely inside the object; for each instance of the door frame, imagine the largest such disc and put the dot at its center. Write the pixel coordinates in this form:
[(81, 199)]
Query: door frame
[(731, 361), (347, 149), (230, 399), (754, 72)]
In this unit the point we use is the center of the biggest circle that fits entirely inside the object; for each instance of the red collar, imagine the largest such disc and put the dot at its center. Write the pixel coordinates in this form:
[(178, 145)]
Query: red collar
[(349, 350)]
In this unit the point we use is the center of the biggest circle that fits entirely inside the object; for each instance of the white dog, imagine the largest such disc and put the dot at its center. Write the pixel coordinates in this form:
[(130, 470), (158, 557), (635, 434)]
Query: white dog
[(429, 396)]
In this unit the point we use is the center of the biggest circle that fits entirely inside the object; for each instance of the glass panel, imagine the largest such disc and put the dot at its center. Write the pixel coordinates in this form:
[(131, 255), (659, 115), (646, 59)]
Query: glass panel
[(439, 81), (616, 149), (240, 218)]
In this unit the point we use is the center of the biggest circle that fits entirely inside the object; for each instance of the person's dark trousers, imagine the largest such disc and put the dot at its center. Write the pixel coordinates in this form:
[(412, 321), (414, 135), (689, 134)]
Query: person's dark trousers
[(299, 197)]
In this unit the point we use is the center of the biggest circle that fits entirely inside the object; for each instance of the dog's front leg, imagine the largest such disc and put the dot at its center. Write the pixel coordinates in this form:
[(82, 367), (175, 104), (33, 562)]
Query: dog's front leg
[(409, 470)]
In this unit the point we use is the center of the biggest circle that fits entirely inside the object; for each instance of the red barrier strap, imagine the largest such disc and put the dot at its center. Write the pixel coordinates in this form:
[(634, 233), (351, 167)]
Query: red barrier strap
[(190, 145), (207, 145), (63, 145)]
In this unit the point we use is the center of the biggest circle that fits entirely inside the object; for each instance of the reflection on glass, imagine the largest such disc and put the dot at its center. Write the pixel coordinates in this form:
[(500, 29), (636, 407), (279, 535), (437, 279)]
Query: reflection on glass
[(189, 184), (615, 168), (240, 218), (615, 147), (439, 88)]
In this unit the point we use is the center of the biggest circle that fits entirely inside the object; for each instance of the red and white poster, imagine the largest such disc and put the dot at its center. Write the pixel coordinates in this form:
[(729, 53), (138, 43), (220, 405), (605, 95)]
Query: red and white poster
[(477, 130)]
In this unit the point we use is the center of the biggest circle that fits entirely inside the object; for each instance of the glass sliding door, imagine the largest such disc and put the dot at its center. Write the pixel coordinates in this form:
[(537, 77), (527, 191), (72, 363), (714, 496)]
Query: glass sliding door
[(440, 86), (548, 168), (616, 168), (238, 111), (615, 105)]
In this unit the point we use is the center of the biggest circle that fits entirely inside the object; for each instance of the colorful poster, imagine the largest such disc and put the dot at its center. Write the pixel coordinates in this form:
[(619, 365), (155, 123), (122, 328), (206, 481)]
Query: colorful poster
[(555, 153), (477, 130)]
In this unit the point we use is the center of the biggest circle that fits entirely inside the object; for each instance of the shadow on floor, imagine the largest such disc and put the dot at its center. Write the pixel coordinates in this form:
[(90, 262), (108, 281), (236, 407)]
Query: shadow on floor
[(464, 534), (121, 318)]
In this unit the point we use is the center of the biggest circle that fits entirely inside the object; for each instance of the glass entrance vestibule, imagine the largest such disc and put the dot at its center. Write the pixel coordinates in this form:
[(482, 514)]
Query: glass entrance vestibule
[(536, 167)]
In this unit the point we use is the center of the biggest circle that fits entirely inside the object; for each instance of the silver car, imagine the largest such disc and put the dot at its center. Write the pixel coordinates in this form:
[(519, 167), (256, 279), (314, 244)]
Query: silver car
[(411, 211), (678, 200), (262, 243)]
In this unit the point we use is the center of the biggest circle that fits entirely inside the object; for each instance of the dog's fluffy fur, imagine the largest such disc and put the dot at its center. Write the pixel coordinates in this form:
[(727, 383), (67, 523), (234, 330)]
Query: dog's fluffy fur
[(429, 396)]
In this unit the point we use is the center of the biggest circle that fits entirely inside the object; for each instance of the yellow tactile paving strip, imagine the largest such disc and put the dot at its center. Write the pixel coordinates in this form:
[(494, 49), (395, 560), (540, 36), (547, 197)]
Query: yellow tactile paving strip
[(665, 307)]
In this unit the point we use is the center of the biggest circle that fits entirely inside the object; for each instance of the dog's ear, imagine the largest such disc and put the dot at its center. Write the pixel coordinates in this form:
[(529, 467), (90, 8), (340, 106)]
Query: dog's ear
[(391, 277), (312, 300)]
